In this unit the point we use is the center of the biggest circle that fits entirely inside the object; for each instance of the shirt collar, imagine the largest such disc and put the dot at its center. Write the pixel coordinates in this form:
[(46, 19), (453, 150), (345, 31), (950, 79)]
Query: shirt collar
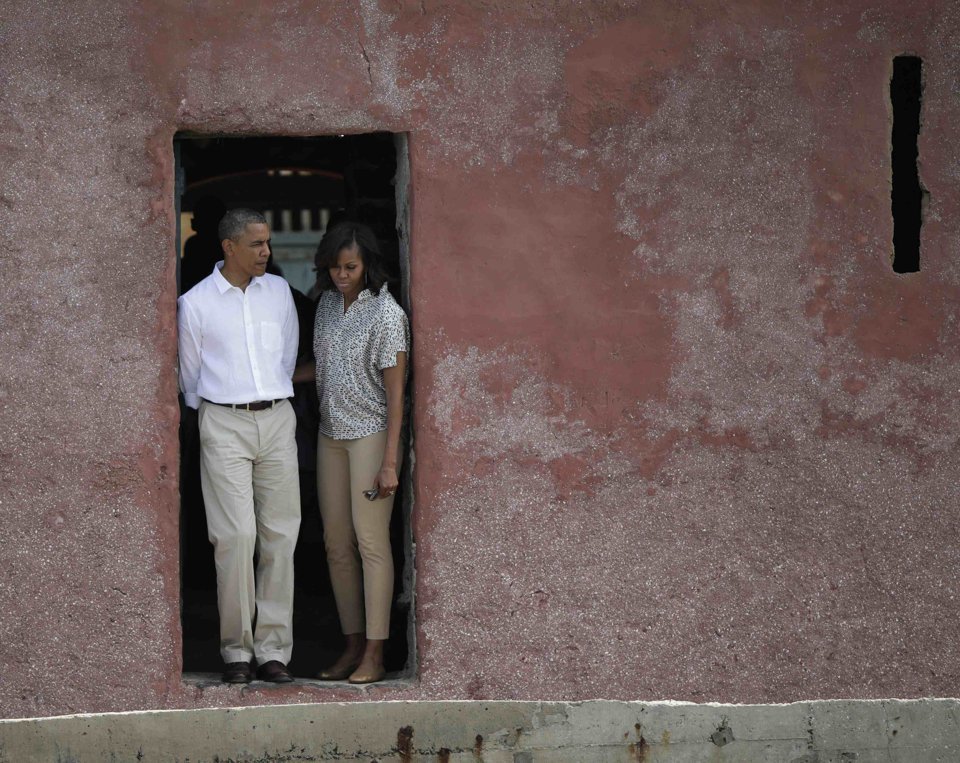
[(223, 285), (363, 296)]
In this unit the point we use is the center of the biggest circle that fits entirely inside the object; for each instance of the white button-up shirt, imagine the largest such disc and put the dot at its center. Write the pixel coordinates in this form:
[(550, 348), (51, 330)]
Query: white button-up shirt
[(237, 346)]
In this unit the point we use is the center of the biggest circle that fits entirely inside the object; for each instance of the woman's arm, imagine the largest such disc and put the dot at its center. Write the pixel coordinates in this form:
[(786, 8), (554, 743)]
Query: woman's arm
[(394, 379), (305, 372)]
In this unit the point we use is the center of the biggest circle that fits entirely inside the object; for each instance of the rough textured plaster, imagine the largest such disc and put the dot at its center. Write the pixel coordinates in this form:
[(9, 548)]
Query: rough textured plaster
[(681, 431), (793, 507), (90, 541)]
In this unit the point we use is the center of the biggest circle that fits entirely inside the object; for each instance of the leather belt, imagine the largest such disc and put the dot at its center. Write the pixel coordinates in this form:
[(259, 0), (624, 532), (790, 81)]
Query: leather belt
[(257, 405)]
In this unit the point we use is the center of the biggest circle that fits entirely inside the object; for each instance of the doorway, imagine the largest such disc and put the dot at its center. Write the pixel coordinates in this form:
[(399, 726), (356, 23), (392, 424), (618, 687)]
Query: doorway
[(302, 186)]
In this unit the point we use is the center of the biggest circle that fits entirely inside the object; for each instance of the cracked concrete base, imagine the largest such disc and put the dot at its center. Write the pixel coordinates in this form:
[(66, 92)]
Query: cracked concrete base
[(907, 731)]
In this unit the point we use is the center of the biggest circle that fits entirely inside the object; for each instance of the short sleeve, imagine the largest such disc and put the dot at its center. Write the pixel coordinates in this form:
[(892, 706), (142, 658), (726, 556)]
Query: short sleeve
[(393, 336)]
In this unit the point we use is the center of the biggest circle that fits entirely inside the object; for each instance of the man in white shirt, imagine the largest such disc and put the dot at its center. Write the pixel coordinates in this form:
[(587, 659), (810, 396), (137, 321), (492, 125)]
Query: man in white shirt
[(238, 335)]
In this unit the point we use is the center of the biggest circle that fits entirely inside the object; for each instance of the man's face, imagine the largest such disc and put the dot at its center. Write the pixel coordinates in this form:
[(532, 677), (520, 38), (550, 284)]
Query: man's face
[(248, 254)]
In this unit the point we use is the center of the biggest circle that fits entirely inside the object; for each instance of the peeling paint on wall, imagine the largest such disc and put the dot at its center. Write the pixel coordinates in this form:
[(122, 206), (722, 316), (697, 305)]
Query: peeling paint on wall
[(680, 430)]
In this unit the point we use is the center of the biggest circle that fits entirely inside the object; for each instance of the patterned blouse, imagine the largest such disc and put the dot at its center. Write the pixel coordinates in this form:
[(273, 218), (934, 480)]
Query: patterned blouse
[(352, 350)]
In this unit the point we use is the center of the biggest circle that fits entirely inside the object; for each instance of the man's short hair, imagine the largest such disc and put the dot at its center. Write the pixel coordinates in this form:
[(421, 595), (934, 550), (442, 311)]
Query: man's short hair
[(235, 222)]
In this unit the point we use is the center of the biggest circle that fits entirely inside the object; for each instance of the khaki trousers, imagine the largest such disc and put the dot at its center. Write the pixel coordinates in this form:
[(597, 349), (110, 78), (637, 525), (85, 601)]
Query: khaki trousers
[(356, 533), (251, 489)]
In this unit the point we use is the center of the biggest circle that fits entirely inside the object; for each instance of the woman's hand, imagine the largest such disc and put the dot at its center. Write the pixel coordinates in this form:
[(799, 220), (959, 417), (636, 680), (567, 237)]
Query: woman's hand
[(386, 482), (305, 372)]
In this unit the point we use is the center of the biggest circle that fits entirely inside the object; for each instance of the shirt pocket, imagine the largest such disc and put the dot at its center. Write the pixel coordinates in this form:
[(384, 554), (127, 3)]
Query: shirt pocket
[(270, 336)]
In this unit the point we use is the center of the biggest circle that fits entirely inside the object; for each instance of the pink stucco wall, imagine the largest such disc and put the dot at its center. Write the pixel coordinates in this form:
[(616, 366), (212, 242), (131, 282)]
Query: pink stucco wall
[(681, 433)]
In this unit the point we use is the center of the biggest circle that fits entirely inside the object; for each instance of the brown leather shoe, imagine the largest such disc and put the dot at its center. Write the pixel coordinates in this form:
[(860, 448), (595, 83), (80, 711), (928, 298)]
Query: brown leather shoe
[(370, 677), (333, 673), (275, 672), (237, 673)]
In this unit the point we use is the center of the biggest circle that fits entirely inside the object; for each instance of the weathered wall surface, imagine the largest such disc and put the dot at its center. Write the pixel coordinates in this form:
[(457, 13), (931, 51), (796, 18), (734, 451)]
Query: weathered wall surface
[(681, 432)]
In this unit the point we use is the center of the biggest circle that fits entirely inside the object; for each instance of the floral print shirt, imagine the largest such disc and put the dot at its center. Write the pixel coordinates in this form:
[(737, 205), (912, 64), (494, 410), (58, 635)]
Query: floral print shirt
[(352, 349)]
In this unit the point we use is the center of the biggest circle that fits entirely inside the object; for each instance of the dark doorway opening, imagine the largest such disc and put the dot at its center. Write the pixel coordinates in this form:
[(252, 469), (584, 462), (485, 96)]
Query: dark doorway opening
[(906, 196), (302, 186)]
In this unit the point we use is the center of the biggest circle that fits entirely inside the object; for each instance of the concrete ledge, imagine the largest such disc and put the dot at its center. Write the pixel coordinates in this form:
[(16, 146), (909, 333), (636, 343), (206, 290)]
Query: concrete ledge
[(913, 731)]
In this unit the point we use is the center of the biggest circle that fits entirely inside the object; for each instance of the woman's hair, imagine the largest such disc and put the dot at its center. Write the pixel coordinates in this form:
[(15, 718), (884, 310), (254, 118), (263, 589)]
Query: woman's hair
[(344, 236)]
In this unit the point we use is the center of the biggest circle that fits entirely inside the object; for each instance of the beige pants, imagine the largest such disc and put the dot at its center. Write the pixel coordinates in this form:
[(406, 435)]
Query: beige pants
[(356, 532), (251, 489)]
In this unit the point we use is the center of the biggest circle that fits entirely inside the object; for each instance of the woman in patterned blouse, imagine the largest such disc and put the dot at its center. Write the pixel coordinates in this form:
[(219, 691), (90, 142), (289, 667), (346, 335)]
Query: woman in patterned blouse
[(361, 340)]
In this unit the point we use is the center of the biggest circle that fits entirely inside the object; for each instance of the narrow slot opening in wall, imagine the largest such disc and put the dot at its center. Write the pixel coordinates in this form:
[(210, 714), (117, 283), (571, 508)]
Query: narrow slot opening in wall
[(906, 87), (302, 186)]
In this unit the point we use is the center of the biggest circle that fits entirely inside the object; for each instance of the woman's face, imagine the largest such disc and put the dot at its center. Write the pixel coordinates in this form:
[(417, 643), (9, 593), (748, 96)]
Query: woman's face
[(347, 273)]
